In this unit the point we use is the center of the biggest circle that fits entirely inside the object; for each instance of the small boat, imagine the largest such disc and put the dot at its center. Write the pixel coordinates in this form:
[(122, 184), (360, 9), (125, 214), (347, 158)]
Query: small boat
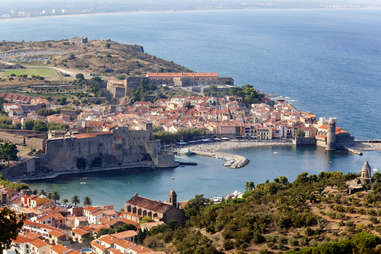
[(172, 178), (376, 170), (229, 163), (275, 152), (186, 152), (83, 182)]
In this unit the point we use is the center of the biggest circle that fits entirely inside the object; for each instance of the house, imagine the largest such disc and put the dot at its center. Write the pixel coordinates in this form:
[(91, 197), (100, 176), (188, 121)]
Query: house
[(61, 249), (38, 246), (56, 236), (79, 234), (80, 221), (39, 201), (128, 235), (55, 220), (108, 244), (158, 211)]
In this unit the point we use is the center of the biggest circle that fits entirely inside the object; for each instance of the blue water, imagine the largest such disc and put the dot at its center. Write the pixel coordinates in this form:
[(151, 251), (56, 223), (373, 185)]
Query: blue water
[(328, 61)]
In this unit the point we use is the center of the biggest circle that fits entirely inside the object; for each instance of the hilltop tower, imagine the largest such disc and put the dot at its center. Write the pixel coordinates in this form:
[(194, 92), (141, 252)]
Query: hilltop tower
[(172, 198), (366, 173), (331, 134)]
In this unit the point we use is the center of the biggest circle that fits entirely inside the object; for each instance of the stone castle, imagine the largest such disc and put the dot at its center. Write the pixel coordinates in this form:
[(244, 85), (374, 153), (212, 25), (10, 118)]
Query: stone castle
[(87, 152)]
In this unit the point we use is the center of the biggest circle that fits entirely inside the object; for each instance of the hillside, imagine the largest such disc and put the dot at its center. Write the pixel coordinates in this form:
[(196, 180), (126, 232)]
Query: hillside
[(314, 214), (93, 57)]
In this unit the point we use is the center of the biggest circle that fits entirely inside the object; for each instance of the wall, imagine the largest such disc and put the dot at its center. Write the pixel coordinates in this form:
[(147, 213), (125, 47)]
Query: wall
[(304, 141)]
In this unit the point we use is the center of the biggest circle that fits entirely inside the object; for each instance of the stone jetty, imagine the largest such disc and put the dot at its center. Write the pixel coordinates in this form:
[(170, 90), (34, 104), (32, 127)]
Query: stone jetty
[(239, 161)]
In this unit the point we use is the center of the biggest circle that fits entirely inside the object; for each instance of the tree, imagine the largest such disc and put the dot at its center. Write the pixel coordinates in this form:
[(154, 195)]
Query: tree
[(40, 126), (10, 226), (87, 201), (195, 205), (146, 219), (65, 201), (55, 196), (249, 186), (8, 152), (28, 125), (42, 192), (80, 76), (75, 200), (300, 133)]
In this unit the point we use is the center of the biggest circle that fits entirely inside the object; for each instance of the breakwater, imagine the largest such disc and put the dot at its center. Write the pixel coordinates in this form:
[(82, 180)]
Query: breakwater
[(218, 150), (238, 161)]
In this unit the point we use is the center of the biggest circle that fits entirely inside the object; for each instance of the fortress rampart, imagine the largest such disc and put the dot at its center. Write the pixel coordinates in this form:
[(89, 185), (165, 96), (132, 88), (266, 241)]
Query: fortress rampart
[(121, 148)]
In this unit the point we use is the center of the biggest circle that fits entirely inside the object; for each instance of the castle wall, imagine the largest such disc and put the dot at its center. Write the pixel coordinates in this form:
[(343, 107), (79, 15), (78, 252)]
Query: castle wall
[(103, 150), (304, 141), (89, 151)]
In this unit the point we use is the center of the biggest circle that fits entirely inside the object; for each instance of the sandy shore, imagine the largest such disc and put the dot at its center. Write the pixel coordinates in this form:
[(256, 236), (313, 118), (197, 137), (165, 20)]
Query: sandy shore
[(218, 150)]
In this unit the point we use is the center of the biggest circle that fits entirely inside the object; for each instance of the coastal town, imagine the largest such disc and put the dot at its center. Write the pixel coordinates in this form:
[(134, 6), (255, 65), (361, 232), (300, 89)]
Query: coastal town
[(74, 117), (67, 227), (214, 111)]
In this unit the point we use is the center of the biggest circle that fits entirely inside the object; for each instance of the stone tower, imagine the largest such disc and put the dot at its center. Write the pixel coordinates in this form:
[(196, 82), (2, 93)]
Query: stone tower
[(366, 173), (172, 198), (331, 135), (149, 128)]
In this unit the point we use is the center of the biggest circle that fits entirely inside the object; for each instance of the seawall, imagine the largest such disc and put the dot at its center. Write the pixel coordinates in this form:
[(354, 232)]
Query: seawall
[(87, 171)]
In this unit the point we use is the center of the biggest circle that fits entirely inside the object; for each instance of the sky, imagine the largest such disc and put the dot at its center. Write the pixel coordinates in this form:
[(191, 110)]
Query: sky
[(126, 5)]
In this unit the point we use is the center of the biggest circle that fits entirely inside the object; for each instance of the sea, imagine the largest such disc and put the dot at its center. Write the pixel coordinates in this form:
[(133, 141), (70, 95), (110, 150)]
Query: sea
[(325, 61)]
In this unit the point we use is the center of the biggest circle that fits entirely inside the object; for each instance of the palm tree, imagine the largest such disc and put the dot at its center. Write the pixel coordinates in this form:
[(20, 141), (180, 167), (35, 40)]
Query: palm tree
[(55, 196), (75, 200), (86, 201), (42, 192), (65, 201), (50, 195)]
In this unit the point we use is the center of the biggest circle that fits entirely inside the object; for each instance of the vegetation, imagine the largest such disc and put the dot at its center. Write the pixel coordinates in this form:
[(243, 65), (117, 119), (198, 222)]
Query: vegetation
[(247, 92), (87, 201), (57, 126), (6, 123), (181, 135), (93, 57), (361, 243), (35, 125), (38, 125), (47, 112), (8, 152), (278, 216), (40, 72), (12, 185), (75, 200), (300, 133), (147, 92), (10, 226)]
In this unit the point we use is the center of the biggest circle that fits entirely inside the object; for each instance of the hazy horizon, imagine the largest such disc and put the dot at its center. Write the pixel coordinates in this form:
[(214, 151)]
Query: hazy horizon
[(38, 6)]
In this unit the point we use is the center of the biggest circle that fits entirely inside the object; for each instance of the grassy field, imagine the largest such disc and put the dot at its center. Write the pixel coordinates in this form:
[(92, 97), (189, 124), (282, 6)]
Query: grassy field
[(43, 72)]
